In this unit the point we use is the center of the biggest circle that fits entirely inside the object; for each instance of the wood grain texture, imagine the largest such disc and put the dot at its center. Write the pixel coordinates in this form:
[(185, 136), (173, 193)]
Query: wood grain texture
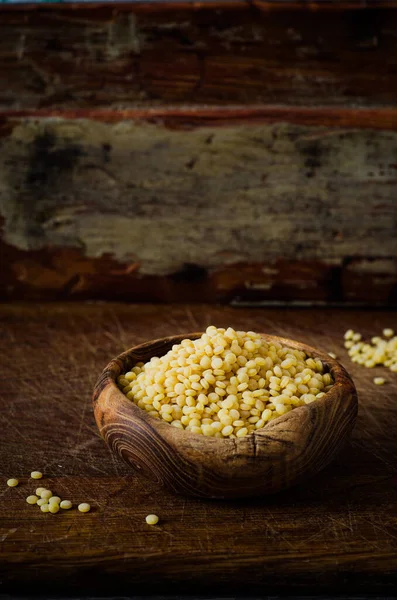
[(153, 53), (287, 451), (147, 7), (255, 209), (335, 534), (192, 116)]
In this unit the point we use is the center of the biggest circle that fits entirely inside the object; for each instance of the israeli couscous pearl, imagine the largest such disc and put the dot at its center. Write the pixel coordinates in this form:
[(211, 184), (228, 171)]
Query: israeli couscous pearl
[(84, 507), (54, 499), (226, 382), (152, 519), (32, 499), (39, 490), (45, 508), (66, 504), (388, 333), (46, 494), (12, 482), (41, 501), (53, 507), (36, 475), (379, 380), (381, 351)]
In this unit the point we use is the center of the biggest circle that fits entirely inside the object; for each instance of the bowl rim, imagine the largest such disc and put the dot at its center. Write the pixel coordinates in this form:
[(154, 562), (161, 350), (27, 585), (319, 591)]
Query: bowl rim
[(113, 369)]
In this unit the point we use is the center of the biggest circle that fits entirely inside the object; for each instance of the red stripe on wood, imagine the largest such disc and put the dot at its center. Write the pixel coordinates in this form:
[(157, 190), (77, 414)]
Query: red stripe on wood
[(373, 118)]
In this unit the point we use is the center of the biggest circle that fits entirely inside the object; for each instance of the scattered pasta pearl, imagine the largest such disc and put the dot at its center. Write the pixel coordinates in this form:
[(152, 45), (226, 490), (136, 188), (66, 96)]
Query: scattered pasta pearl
[(84, 507), (53, 507), (380, 351), (379, 380), (32, 499), (39, 490), (332, 355), (41, 501), (46, 494), (45, 508), (36, 475), (66, 504), (54, 499), (12, 482), (152, 519)]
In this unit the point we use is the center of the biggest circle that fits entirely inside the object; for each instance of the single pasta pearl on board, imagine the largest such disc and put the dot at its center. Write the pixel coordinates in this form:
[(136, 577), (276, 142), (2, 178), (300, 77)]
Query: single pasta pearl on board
[(54, 499), (46, 494), (152, 519), (32, 499)]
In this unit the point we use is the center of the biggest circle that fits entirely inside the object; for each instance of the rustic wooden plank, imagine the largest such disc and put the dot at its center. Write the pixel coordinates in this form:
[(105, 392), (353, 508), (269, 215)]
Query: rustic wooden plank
[(334, 535), (153, 211), (153, 54), (189, 117), (147, 6)]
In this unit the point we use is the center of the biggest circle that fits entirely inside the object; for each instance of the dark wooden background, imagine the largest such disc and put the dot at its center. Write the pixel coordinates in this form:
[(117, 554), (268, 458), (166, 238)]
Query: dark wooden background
[(216, 151)]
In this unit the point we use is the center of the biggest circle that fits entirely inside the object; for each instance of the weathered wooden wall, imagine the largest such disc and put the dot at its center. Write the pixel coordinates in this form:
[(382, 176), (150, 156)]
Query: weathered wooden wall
[(157, 54), (173, 152)]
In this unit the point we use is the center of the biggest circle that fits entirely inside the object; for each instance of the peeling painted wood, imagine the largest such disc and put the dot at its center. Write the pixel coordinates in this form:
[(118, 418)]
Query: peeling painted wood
[(65, 273), (136, 210), (152, 54)]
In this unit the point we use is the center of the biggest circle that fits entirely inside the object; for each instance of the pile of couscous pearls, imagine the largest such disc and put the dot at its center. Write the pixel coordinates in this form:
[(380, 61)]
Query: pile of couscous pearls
[(45, 499), (225, 384), (382, 351)]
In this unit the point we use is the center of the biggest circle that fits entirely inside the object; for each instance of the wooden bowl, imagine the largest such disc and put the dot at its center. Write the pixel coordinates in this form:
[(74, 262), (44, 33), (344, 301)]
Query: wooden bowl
[(286, 451)]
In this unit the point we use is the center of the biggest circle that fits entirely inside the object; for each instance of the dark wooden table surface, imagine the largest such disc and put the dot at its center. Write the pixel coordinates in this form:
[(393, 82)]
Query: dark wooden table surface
[(335, 534)]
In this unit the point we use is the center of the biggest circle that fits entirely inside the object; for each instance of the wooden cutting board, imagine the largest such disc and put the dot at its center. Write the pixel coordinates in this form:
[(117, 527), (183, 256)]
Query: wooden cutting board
[(337, 533)]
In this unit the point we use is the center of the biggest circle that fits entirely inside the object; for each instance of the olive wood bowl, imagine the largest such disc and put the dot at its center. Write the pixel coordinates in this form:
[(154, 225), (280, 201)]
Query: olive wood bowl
[(286, 451)]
